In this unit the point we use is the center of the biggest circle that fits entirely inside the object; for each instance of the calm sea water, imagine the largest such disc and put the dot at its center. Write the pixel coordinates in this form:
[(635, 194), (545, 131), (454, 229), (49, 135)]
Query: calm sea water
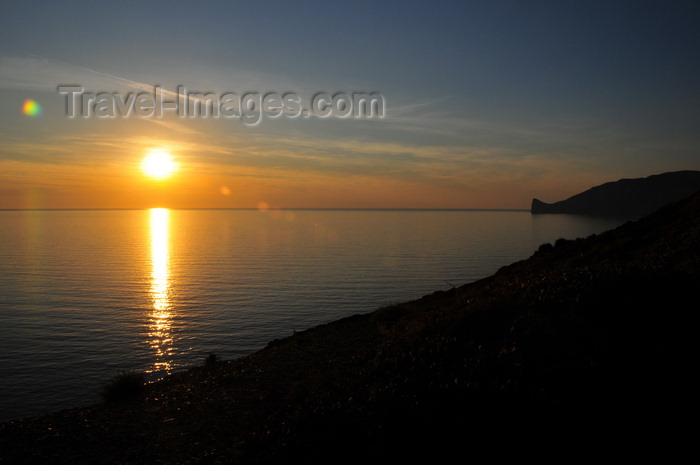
[(86, 294)]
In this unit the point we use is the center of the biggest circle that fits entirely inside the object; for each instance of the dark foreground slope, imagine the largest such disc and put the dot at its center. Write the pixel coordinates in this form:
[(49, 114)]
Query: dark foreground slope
[(583, 350), (626, 198)]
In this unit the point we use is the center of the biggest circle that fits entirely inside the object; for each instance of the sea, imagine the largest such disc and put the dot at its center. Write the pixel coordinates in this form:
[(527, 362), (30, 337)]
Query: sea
[(87, 294)]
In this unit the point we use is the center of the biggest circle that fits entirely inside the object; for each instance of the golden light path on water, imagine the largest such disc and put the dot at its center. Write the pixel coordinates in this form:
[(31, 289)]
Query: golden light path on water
[(160, 322)]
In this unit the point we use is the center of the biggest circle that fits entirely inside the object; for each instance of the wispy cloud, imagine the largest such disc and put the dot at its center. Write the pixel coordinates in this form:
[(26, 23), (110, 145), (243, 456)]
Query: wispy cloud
[(43, 74)]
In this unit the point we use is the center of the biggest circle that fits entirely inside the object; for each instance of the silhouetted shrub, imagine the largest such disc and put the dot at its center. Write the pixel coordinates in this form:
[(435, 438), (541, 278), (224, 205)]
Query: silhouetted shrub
[(127, 385), (561, 242), (546, 247), (211, 361)]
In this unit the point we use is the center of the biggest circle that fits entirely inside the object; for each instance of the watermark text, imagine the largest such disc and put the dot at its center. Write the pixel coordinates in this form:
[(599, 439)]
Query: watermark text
[(248, 107)]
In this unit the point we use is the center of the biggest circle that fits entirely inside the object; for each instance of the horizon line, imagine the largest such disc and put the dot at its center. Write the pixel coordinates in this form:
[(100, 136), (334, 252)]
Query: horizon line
[(273, 209)]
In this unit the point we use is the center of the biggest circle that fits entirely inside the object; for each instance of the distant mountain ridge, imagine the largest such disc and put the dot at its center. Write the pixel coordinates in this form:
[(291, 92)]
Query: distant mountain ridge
[(629, 198)]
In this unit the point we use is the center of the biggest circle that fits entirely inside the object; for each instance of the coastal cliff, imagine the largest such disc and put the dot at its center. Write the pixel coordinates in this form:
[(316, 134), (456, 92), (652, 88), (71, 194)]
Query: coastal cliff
[(626, 198)]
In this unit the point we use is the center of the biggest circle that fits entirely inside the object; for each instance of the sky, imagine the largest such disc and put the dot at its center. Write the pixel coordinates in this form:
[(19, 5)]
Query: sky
[(484, 104)]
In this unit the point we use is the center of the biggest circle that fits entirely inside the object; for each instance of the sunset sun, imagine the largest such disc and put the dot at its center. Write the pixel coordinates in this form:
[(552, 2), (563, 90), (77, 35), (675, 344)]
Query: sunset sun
[(158, 164)]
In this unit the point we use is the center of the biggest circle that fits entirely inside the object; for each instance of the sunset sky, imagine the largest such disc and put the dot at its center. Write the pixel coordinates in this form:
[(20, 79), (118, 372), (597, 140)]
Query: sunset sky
[(486, 104)]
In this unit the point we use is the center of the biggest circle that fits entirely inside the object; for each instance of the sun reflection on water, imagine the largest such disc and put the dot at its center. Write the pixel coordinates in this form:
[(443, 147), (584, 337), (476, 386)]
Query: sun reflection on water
[(160, 332)]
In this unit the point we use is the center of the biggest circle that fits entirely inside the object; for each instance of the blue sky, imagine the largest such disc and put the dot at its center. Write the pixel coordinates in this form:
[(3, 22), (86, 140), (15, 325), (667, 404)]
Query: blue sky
[(488, 104)]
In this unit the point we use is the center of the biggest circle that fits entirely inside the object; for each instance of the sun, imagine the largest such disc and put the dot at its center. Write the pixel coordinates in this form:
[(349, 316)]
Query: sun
[(158, 164)]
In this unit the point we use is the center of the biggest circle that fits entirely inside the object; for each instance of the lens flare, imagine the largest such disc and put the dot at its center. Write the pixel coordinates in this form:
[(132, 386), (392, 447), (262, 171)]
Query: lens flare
[(31, 108)]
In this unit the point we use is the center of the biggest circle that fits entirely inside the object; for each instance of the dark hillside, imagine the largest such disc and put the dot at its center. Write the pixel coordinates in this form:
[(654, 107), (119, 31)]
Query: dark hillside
[(626, 198)]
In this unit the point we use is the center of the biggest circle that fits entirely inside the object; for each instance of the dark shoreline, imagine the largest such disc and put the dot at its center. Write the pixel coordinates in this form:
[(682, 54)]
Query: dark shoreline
[(583, 349)]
